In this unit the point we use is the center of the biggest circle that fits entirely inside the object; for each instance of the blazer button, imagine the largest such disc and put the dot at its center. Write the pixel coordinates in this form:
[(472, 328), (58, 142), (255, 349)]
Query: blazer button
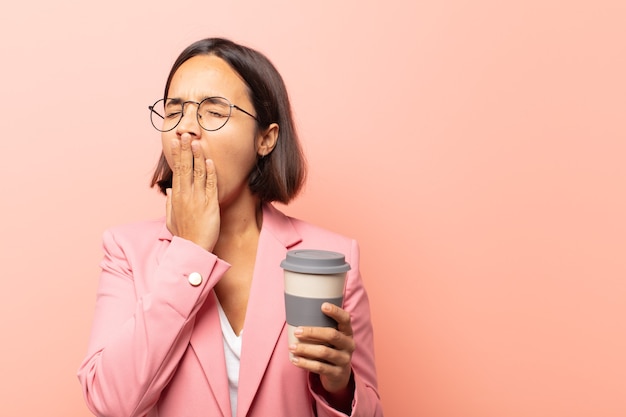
[(195, 279)]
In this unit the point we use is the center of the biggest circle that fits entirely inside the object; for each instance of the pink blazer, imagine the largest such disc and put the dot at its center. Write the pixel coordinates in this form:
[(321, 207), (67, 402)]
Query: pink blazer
[(156, 345)]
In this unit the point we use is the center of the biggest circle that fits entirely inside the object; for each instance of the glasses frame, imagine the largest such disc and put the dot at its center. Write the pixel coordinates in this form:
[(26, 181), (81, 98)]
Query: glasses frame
[(230, 112)]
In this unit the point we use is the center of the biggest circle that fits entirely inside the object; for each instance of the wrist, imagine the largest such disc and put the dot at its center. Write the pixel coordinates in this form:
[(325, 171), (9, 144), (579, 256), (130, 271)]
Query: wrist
[(341, 399)]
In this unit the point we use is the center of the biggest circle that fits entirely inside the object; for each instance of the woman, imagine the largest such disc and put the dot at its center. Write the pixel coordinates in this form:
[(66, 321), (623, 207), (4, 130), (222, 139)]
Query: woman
[(190, 316)]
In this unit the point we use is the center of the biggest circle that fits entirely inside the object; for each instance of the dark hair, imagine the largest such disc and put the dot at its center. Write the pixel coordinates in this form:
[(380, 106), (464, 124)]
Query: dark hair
[(280, 175)]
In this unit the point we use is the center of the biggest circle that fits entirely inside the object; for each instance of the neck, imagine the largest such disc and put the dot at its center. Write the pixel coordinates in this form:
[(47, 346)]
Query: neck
[(240, 220)]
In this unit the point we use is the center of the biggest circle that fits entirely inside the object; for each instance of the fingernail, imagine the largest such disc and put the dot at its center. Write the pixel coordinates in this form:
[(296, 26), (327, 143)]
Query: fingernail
[(292, 348), (294, 359), (298, 331), (326, 307)]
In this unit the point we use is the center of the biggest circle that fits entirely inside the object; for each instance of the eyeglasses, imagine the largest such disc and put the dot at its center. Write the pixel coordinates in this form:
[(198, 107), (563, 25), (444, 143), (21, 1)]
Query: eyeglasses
[(212, 113)]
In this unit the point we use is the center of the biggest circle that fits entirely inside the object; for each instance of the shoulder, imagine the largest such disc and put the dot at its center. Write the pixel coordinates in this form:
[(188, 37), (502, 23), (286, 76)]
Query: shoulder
[(308, 229), (310, 235), (137, 234)]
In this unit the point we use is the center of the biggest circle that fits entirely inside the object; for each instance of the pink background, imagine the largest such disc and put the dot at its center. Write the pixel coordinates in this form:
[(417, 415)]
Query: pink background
[(476, 149)]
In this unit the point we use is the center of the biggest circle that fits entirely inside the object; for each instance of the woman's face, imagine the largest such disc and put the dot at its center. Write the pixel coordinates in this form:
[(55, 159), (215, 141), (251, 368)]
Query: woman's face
[(233, 148)]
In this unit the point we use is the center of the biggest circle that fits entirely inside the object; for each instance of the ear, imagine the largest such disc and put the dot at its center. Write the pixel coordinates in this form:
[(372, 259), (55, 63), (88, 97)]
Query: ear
[(266, 140)]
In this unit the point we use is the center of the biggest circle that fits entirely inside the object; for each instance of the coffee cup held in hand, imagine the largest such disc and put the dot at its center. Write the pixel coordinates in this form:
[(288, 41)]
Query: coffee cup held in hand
[(312, 277)]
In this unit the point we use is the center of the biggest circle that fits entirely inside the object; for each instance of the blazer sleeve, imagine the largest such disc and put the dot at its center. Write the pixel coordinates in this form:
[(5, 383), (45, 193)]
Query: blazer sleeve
[(140, 332), (366, 401)]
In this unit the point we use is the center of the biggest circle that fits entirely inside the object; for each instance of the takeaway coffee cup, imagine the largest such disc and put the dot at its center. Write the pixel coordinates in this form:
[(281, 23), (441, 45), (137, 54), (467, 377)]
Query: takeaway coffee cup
[(312, 277)]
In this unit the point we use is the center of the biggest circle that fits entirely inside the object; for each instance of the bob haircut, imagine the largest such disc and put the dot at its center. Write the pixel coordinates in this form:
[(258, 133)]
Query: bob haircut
[(280, 175)]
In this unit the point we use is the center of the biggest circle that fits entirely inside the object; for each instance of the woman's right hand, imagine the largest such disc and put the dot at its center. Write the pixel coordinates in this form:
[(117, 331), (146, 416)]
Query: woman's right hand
[(192, 207)]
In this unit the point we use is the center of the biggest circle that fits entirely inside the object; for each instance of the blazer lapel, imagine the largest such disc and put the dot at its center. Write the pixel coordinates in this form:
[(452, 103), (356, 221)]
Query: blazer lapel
[(207, 343), (265, 315)]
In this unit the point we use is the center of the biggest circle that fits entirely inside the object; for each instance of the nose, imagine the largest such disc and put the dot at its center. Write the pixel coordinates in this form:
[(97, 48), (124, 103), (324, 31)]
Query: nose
[(189, 120)]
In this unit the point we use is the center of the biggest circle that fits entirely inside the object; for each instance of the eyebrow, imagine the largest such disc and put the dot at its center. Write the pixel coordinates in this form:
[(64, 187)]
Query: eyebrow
[(173, 101), (178, 100), (211, 97)]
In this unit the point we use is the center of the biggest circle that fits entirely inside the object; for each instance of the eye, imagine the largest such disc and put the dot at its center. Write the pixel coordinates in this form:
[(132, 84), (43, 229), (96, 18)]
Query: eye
[(213, 112), (172, 114), (172, 110), (214, 108)]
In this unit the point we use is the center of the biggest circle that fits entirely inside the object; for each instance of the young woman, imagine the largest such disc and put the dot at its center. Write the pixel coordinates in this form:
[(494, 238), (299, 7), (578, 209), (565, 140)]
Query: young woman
[(190, 317)]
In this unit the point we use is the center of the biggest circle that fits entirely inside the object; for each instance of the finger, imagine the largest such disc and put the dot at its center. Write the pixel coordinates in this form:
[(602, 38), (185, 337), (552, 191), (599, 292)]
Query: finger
[(316, 366), (211, 180), (199, 167), (185, 165), (334, 378), (321, 353), (341, 316), (175, 151), (317, 335), (325, 336), (169, 220)]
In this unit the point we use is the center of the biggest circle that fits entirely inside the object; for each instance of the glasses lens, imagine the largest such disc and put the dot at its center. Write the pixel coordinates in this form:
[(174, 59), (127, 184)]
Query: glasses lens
[(165, 115), (213, 113)]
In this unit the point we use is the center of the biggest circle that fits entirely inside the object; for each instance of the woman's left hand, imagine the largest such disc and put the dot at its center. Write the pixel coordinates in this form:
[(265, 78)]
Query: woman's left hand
[(326, 351)]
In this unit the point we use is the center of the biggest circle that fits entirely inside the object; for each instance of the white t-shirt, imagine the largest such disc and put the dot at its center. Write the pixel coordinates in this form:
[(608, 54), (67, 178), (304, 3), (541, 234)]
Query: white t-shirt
[(232, 353)]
